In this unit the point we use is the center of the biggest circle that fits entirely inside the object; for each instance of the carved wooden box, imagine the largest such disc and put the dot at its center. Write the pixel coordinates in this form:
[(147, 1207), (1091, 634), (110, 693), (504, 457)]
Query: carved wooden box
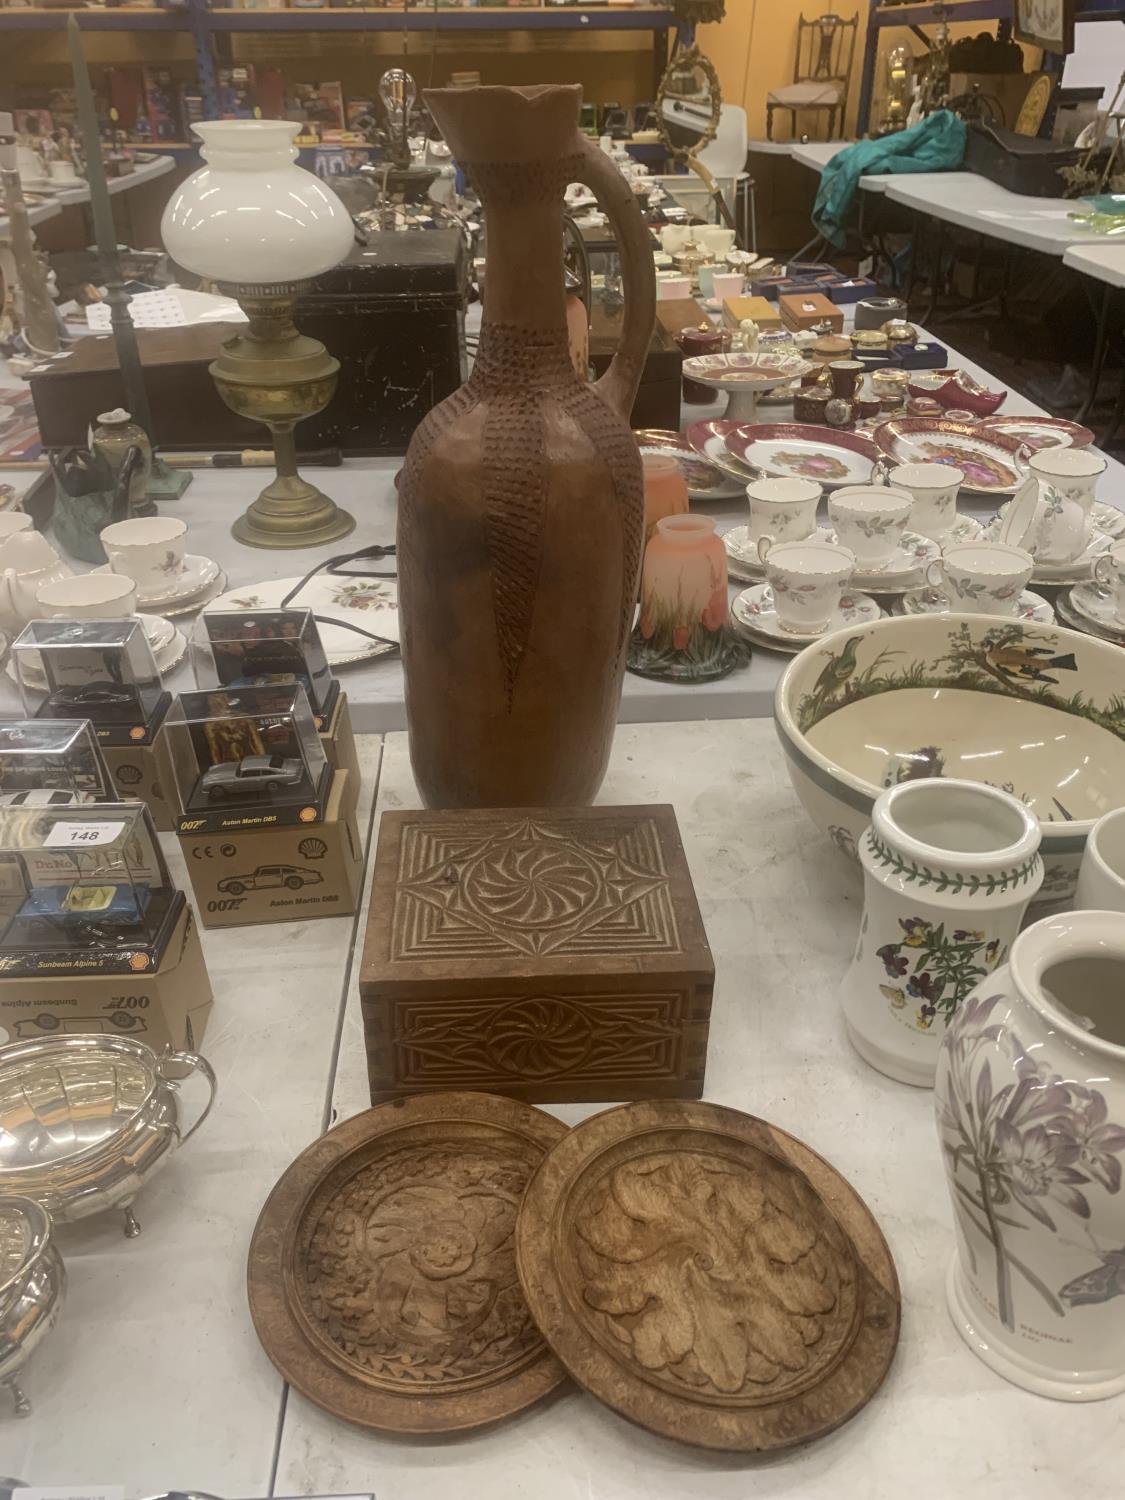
[(552, 955)]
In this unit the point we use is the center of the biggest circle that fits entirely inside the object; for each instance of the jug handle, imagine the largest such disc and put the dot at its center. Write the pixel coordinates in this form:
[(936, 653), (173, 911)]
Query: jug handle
[(196, 1064), (618, 386)]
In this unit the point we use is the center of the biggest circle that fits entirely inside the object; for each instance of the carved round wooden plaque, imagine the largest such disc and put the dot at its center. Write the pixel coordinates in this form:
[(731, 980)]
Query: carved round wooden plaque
[(382, 1274), (708, 1276)]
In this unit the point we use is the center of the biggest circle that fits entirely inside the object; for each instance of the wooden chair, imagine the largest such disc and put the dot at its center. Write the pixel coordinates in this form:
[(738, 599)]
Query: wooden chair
[(821, 77)]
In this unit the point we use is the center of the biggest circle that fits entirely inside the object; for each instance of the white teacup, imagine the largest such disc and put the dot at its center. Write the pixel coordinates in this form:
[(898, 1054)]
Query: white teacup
[(716, 239), (982, 578), (1068, 479), (12, 521), (1109, 570), (782, 509), (934, 490), (728, 284), (62, 171), (1101, 877), (807, 580), (149, 550), (869, 519), (88, 596)]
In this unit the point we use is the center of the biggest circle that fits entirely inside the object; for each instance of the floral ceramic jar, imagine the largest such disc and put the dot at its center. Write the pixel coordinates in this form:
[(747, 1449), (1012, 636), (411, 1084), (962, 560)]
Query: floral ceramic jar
[(949, 868), (683, 634), (1030, 1099)]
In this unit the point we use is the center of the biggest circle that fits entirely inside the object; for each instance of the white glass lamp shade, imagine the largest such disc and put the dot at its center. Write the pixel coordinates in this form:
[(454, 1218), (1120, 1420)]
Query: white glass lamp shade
[(251, 215)]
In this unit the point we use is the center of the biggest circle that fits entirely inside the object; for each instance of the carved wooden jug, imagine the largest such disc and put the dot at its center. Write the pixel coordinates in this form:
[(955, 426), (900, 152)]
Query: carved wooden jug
[(522, 502)]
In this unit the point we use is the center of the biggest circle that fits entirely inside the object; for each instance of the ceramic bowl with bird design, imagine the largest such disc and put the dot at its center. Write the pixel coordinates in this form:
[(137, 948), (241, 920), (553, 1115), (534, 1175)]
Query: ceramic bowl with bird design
[(1034, 710)]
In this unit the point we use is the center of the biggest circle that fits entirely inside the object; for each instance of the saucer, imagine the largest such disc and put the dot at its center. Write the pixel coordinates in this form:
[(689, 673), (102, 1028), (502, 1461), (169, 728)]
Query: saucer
[(754, 612), (337, 602), (1095, 605), (930, 601), (906, 569), (1068, 614), (197, 574), (1108, 518), (742, 553), (964, 529)]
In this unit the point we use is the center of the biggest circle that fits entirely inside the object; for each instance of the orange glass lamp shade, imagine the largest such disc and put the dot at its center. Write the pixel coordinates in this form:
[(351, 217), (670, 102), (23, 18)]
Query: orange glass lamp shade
[(683, 633), (666, 492)]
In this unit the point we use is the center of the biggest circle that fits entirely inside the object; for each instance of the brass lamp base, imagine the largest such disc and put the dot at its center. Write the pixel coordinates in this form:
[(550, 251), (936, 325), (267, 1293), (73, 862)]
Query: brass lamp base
[(276, 376)]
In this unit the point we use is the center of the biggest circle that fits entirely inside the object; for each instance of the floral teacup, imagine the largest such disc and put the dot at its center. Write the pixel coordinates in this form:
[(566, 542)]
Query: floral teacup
[(983, 578), (1068, 478), (782, 509), (869, 520), (807, 580), (934, 489)]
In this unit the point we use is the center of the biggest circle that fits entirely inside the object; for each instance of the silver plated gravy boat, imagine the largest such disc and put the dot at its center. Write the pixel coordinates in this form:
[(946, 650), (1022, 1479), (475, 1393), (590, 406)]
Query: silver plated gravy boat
[(85, 1121), (32, 1286)]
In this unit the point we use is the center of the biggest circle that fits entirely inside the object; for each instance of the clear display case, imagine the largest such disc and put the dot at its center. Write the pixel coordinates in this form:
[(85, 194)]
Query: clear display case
[(101, 670), (264, 648), (249, 756), (51, 761), (83, 883)]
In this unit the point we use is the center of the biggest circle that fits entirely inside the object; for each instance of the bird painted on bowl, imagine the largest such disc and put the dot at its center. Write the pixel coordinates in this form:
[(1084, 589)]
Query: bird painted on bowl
[(1027, 663), (837, 670)]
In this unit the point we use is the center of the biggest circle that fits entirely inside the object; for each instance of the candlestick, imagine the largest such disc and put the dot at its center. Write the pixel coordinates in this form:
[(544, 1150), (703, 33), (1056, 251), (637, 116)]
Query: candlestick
[(37, 313)]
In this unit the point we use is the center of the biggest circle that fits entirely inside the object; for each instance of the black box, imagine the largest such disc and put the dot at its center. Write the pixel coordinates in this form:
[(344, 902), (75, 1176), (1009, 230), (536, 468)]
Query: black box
[(393, 315)]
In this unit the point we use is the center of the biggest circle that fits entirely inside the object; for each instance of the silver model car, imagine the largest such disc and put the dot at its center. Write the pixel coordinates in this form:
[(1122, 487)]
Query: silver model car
[(252, 774)]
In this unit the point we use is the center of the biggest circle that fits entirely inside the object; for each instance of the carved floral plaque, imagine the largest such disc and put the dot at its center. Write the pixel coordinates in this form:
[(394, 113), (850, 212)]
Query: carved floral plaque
[(708, 1276)]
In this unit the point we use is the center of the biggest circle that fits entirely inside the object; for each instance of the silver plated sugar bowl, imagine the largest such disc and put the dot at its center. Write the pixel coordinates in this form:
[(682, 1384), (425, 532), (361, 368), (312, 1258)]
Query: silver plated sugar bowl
[(32, 1286), (86, 1120)]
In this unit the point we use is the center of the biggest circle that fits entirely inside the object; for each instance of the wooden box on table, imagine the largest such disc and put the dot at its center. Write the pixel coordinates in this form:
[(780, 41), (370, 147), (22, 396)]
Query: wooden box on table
[(548, 954)]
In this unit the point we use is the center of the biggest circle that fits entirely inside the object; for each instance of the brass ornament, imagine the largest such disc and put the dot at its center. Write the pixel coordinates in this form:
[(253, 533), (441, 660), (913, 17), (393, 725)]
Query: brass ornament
[(272, 374)]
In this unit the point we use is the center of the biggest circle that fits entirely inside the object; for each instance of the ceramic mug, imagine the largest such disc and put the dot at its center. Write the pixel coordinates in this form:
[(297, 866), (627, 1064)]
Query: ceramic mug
[(149, 550), (728, 285), (982, 578), (673, 288), (782, 509), (807, 580), (12, 521), (62, 171), (716, 239), (934, 490), (88, 596), (869, 520), (1109, 571), (1068, 479)]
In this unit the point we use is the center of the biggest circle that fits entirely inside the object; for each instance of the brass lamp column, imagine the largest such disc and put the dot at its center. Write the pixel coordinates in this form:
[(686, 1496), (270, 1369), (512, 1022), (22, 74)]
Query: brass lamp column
[(275, 375)]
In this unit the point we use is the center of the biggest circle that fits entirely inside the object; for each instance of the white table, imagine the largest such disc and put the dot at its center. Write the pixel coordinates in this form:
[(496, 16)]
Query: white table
[(37, 213), (781, 910), (972, 202), (146, 171), (154, 1370), (366, 488)]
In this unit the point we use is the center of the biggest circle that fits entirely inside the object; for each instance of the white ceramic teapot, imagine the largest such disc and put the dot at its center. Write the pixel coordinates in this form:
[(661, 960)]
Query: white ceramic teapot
[(27, 560)]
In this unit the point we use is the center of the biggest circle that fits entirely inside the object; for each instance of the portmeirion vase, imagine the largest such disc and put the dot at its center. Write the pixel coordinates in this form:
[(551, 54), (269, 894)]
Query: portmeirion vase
[(1030, 1100), (521, 508), (683, 632), (949, 868)]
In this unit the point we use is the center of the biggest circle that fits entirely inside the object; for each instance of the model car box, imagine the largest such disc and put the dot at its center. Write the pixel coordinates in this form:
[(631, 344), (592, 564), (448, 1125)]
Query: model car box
[(548, 954), (338, 738), (280, 874), (143, 773), (810, 310), (164, 1006)]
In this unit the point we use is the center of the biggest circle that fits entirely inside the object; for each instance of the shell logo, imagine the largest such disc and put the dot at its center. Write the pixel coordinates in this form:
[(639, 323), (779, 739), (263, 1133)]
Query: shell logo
[(138, 961), (307, 815)]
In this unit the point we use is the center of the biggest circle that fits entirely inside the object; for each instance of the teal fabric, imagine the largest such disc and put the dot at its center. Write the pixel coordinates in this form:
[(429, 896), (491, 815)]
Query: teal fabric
[(935, 144)]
